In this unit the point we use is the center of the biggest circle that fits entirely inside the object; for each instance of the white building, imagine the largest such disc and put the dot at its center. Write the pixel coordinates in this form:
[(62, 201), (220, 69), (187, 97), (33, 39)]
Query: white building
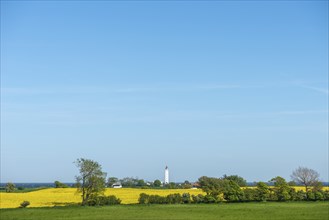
[(166, 176), (117, 185)]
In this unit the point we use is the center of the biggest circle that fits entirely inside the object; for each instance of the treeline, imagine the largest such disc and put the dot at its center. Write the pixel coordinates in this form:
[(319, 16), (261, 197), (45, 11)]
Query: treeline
[(250, 195), (223, 189), (131, 182)]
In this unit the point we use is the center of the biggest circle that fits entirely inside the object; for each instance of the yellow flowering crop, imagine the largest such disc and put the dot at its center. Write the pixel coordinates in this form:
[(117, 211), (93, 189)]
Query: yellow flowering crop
[(64, 196)]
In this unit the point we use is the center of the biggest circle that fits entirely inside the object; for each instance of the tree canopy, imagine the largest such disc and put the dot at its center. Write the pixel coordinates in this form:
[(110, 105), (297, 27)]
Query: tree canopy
[(91, 179), (10, 187), (237, 179), (60, 185), (305, 176)]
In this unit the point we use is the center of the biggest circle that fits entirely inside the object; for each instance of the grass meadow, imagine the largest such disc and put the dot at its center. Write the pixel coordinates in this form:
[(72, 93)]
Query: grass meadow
[(232, 211), (62, 203)]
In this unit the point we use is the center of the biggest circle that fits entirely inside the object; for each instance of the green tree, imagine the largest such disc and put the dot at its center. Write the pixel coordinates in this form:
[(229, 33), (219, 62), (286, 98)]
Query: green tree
[(305, 176), (237, 179), (186, 185), (172, 185), (10, 187), (157, 183), (210, 185), (250, 194), (232, 192), (60, 185), (262, 191), (281, 188), (230, 189), (111, 181), (91, 179), (129, 182), (141, 183)]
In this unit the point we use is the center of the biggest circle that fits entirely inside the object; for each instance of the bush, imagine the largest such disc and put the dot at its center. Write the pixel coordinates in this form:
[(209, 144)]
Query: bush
[(250, 195), (143, 198), (103, 200), (272, 195), (262, 192), (169, 199), (112, 200), (292, 194), (283, 195), (210, 199), (24, 204), (310, 196), (318, 196), (300, 195), (186, 198), (156, 199), (174, 198), (198, 198), (326, 195), (93, 201)]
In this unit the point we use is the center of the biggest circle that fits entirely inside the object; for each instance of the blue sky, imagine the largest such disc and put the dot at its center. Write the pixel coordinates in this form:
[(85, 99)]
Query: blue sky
[(207, 88)]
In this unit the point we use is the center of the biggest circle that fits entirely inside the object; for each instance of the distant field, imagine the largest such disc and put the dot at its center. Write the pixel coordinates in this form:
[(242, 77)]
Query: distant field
[(25, 190), (60, 197), (233, 211), (297, 188)]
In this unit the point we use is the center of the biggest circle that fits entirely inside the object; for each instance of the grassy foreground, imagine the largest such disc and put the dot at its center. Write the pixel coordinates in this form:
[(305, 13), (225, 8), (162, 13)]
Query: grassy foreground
[(245, 211)]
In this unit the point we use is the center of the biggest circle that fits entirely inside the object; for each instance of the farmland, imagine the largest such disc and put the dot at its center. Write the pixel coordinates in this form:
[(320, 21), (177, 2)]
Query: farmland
[(66, 196), (246, 211)]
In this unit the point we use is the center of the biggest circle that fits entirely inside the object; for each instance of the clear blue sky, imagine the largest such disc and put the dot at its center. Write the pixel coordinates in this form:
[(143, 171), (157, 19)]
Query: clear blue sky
[(207, 88)]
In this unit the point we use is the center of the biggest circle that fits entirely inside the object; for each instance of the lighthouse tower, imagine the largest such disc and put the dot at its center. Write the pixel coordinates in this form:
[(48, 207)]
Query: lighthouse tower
[(166, 176)]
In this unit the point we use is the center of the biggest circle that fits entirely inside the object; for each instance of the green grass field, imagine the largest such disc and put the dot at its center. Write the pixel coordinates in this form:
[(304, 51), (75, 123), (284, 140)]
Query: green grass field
[(245, 211)]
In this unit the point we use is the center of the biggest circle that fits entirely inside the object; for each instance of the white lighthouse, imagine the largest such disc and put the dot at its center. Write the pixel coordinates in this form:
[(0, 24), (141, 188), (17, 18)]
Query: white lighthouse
[(166, 176)]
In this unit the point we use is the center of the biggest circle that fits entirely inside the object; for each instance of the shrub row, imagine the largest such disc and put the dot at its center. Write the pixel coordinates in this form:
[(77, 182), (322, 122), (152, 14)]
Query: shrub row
[(246, 195), (254, 195), (169, 199), (103, 200), (176, 198), (289, 194)]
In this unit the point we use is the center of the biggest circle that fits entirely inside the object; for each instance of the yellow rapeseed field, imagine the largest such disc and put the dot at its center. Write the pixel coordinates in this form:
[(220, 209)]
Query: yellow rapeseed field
[(64, 196)]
